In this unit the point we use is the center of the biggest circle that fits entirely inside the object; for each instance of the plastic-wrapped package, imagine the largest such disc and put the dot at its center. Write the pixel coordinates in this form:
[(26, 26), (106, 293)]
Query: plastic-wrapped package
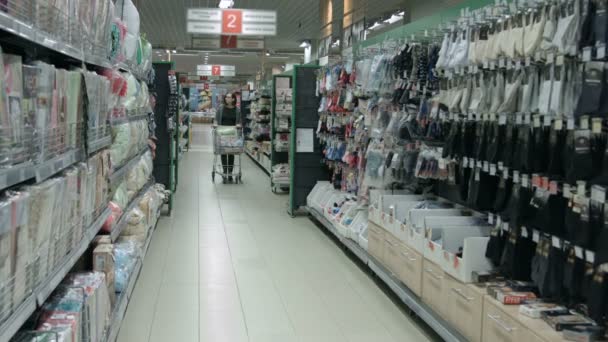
[(44, 93), (59, 225), (115, 214), (137, 225), (31, 75), (73, 106), (6, 257), (96, 300), (13, 82), (127, 12), (23, 244), (120, 148), (120, 196), (125, 257)]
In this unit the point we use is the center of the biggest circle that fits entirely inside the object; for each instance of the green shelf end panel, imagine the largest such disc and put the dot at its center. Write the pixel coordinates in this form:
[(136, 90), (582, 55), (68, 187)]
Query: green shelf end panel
[(304, 158), (278, 157)]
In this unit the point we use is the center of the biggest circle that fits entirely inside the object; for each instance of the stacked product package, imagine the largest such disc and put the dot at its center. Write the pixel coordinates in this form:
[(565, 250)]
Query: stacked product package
[(129, 139), (78, 311), (136, 179), (43, 223), (281, 174), (118, 260)]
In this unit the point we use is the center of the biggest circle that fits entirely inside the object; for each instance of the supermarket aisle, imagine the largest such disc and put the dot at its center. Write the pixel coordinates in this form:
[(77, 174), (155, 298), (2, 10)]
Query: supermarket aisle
[(231, 265)]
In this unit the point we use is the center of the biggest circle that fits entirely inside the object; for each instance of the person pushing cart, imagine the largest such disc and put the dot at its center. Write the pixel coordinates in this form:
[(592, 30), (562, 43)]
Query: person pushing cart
[(228, 142)]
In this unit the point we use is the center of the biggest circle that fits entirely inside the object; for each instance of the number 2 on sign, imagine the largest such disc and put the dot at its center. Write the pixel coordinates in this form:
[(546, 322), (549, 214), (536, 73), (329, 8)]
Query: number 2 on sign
[(232, 21)]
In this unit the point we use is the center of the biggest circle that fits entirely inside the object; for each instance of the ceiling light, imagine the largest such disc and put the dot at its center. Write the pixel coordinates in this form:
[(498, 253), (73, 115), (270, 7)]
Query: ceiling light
[(174, 51), (402, 13), (305, 44), (267, 53), (167, 51), (393, 19), (226, 4), (376, 25)]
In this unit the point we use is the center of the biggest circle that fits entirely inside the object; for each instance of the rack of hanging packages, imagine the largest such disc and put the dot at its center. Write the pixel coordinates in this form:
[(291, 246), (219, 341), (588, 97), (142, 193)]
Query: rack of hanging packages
[(258, 144), (471, 173), (58, 150), (281, 117)]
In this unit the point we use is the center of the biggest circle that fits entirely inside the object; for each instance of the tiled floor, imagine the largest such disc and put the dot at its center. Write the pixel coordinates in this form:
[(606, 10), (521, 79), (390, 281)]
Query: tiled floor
[(231, 265)]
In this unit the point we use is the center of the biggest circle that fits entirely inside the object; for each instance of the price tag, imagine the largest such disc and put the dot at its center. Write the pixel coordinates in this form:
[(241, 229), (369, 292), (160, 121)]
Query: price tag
[(578, 251), (505, 226), (550, 58), (486, 65), (590, 256), (536, 120), (486, 166), (442, 163), (518, 64), (535, 236), (596, 125), (501, 165), (525, 180), (524, 232), (492, 65), (490, 219), (501, 62), (584, 122), (570, 124), (538, 56), (559, 124), (479, 164), (502, 119), (492, 169), (528, 61), (518, 119), (546, 121), (598, 193), (508, 64), (586, 54), (471, 163), (515, 176), (553, 188), (505, 173), (556, 242), (567, 191), (465, 161), (601, 51), (559, 60), (527, 119), (581, 188)]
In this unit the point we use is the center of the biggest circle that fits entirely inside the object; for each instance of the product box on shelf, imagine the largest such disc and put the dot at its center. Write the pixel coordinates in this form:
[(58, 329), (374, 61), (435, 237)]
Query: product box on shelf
[(374, 205), (416, 232), (103, 261), (402, 219), (387, 207), (458, 249)]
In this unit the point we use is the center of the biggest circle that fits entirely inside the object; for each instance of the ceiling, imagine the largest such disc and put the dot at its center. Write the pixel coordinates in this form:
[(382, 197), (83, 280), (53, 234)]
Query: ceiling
[(164, 24)]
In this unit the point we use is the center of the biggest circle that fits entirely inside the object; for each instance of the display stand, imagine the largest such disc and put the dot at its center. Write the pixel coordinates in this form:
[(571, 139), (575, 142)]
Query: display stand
[(282, 116), (166, 114), (305, 148)]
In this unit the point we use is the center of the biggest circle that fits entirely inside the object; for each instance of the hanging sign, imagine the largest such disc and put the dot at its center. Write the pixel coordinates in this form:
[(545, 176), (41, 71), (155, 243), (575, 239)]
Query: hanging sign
[(216, 70), (227, 42), (232, 21)]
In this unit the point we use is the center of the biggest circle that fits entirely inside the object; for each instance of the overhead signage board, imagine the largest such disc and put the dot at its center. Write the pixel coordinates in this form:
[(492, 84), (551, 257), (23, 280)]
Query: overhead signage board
[(216, 70), (237, 22), (230, 42)]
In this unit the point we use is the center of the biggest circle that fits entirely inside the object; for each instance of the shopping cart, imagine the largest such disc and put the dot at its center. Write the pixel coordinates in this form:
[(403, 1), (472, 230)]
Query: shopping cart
[(228, 146)]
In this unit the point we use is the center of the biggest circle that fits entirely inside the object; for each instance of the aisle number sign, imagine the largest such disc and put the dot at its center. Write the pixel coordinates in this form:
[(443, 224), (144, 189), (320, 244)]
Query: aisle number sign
[(216, 70), (232, 22)]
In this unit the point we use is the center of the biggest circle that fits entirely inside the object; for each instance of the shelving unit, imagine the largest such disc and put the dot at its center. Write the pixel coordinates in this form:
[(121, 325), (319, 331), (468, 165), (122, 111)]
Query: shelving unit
[(44, 290), (281, 110), (304, 147), (438, 324)]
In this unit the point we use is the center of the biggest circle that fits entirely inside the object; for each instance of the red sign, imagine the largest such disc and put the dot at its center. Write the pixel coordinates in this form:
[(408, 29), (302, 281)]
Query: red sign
[(216, 70), (232, 21), (228, 42)]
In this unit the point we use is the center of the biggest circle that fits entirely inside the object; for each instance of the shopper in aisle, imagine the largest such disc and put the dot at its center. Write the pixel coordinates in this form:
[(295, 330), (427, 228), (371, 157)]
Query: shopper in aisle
[(228, 115)]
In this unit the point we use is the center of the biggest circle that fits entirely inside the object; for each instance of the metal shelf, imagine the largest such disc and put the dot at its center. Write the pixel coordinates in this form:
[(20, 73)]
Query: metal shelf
[(122, 303), (428, 315), (122, 222), (94, 146), (257, 162), (10, 327), (119, 173), (136, 115)]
